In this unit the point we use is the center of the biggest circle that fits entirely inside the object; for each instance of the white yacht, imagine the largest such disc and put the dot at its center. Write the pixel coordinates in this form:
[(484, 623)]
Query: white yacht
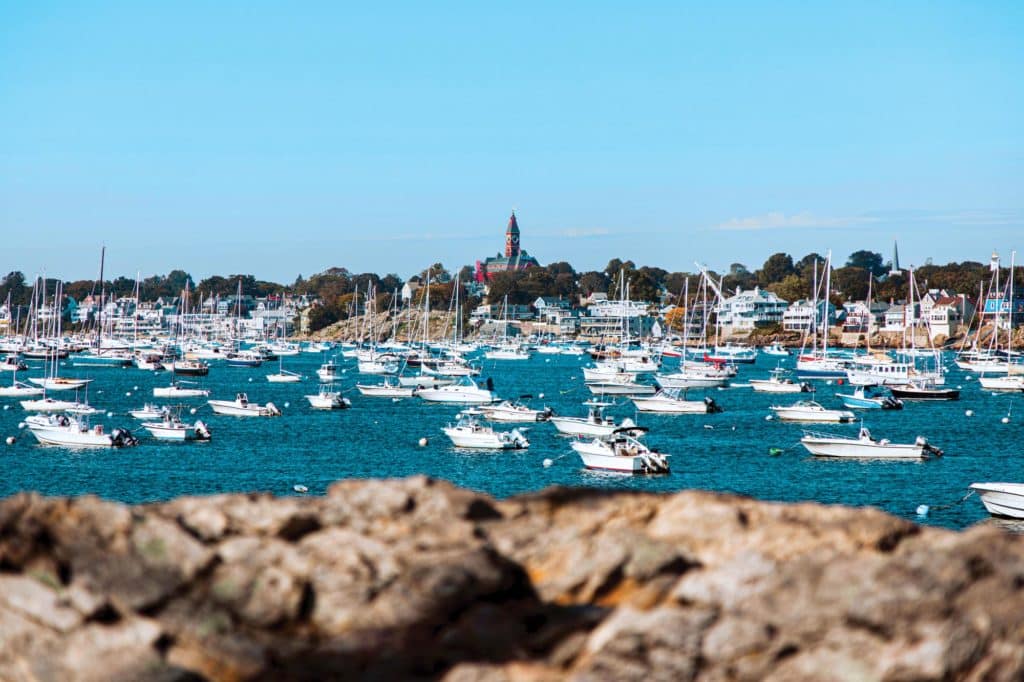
[(177, 390), (71, 431), (810, 411), (328, 400), (465, 391), (1002, 499)]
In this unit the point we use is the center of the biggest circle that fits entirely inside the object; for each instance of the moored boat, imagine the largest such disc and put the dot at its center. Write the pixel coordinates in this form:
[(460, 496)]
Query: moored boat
[(621, 452), (863, 445), (241, 407), (1001, 499), (810, 411)]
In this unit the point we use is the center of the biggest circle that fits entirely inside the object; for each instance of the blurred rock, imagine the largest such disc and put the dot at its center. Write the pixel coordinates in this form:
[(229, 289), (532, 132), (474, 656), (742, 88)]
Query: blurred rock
[(416, 578)]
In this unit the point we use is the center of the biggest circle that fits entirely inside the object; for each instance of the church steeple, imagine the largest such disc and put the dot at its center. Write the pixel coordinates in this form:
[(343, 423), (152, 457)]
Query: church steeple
[(895, 269), (512, 237)]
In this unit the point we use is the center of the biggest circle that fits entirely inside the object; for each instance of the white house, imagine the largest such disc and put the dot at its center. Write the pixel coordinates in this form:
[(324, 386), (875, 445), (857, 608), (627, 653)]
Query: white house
[(747, 310), (800, 315)]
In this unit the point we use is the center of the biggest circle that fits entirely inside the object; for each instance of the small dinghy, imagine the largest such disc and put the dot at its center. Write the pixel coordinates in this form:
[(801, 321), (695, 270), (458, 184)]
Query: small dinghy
[(179, 390), (596, 423), (515, 411), (672, 402), (780, 382)]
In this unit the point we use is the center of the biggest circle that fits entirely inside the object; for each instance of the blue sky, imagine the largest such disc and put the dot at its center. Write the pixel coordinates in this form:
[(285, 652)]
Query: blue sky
[(285, 138)]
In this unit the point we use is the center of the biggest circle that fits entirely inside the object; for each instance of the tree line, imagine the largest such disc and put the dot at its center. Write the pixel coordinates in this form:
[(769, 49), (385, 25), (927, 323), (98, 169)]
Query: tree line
[(341, 293)]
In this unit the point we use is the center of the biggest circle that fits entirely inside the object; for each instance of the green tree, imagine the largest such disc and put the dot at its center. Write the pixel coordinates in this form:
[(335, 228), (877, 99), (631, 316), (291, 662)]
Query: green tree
[(851, 283), (776, 268), (791, 288), (868, 260), (593, 281)]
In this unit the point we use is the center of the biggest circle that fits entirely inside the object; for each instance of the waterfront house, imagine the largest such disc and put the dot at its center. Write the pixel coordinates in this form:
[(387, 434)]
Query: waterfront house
[(747, 310)]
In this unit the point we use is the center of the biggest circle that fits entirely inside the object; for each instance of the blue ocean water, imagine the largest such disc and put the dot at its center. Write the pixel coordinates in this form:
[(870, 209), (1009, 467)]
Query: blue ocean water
[(379, 437)]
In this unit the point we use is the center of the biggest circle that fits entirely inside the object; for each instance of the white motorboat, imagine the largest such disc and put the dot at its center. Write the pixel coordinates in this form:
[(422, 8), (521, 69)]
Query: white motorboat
[(172, 428), (776, 350), (389, 388), (878, 371), (621, 452), (59, 383), (607, 373), (424, 380), (779, 382), (672, 402), (831, 445), (507, 353), (1002, 499), (468, 432), (150, 411), (810, 411), (328, 400), (379, 365), (241, 407), (594, 424), (465, 391), (515, 411), (328, 371), (75, 432), (176, 390)]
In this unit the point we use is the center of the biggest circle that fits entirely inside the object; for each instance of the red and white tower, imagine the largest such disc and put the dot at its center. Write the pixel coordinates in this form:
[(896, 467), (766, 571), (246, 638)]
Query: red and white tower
[(512, 237)]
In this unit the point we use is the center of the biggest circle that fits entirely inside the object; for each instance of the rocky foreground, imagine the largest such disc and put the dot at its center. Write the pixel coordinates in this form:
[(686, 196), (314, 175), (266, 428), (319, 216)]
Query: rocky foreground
[(416, 578)]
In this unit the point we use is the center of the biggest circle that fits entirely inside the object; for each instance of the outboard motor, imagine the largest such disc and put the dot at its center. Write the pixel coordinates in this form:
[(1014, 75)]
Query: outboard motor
[(272, 409), (927, 447), (202, 430), (713, 407), (490, 384)]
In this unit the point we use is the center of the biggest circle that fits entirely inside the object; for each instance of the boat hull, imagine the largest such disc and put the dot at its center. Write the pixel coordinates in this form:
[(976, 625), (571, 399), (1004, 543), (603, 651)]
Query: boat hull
[(1002, 499), (841, 447)]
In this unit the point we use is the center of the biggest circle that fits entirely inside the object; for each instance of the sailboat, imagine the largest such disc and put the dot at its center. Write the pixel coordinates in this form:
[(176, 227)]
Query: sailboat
[(507, 350), (53, 382), (283, 376), (1013, 378), (817, 364)]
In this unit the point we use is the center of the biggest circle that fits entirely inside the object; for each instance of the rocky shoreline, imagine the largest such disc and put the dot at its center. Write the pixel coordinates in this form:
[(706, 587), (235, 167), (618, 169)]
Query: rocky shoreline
[(416, 578)]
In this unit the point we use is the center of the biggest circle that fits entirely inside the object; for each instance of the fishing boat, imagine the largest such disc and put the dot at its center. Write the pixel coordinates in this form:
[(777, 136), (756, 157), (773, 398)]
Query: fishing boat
[(780, 382), (863, 445), (515, 411), (49, 405), (626, 388), (244, 358), (327, 399), (75, 432), (177, 390), (924, 390), (464, 391), (732, 353), (673, 402), (12, 363), (172, 428), (191, 368), (810, 411), (1002, 499), (596, 423), (621, 452), (241, 407), (468, 432), (860, 399), (604, 372)]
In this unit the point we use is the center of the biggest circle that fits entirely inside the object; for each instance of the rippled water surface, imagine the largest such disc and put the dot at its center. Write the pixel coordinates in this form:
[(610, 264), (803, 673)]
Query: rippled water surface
[(379, 437)]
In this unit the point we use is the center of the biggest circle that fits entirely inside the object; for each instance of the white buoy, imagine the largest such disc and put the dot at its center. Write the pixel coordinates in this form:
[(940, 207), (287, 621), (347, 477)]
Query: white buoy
[(192, 411), (250, 380), (21, 425), (300, 488), (922, 510), (7, 407), (969, 413), (768, 418), (10, 440), (135, 388), (110, 414), (286, 404), (708, 426), (1005, 420), (548, 462), (540, 396), (423, 442), (828, 383), (128, 393)]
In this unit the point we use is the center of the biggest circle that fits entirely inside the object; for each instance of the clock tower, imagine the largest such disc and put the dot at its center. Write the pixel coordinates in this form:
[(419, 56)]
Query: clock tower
[(512, 237)]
